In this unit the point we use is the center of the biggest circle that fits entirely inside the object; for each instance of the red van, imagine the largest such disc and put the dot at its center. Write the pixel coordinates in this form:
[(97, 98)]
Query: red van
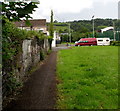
[(86, 42)]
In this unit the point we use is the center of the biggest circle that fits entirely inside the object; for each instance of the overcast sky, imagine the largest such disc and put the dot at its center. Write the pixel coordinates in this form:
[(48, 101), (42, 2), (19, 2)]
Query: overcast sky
[(69, 10)]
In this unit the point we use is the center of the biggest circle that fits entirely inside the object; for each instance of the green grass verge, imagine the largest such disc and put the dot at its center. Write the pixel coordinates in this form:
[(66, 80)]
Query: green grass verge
[(68, 43), (88, 78)]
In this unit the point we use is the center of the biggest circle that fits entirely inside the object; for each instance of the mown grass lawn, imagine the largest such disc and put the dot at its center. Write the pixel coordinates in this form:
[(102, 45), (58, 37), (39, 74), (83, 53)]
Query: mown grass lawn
[(88, 78)]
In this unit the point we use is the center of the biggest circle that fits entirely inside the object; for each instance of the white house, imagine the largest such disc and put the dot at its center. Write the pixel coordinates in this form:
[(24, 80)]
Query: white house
[(39, 25), (106, 29), (55, 38)]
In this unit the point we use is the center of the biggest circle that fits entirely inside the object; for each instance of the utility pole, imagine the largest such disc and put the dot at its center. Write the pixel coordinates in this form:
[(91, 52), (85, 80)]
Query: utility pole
[(93, 25), (114, 30), (119, 19), (69, 35)]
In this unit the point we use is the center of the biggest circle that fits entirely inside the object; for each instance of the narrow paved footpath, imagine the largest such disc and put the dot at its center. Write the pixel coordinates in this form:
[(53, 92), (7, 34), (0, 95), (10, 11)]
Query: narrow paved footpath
[(39, 92)]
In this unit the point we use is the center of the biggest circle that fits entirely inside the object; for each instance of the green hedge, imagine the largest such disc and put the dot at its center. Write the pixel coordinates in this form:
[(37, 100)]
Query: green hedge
[(12, 39), (115, 43)]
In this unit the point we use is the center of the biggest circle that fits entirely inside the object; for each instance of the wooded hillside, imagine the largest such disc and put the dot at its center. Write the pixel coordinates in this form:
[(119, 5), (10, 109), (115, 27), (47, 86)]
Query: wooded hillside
[(84, 28)]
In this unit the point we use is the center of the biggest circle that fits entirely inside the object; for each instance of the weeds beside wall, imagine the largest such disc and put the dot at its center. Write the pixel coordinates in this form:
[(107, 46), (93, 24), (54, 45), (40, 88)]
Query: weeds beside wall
[(22, 50)]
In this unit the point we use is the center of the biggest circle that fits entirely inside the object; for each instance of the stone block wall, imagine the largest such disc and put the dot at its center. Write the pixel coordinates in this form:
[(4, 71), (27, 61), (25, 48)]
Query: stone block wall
[(25, 61)]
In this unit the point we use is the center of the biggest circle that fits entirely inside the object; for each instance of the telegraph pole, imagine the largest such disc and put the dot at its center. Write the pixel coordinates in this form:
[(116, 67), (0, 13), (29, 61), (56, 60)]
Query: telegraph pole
[(93, 25), (69, 35), (119, 19), (114, 30)]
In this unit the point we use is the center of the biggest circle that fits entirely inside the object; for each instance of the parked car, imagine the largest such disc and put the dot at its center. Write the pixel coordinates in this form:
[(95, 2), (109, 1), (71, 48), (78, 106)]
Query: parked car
[(86, 42)]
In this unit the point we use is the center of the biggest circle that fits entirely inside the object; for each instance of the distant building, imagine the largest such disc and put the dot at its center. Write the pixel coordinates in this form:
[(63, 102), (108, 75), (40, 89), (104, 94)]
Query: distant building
[(64, 33), (39, 25), (36, 24), (107, 29), (56, 38)]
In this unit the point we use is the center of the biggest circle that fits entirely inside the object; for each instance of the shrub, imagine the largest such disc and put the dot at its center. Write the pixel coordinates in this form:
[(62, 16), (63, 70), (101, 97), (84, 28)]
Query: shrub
[(115, 43), (42, 55), (12, 38)]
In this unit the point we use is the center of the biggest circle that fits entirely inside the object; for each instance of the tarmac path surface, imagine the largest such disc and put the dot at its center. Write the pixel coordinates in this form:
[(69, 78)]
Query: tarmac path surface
[(39, 91)]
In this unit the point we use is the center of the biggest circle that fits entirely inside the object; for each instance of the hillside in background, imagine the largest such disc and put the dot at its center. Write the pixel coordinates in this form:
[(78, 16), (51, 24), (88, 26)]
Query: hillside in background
[(84, 28)]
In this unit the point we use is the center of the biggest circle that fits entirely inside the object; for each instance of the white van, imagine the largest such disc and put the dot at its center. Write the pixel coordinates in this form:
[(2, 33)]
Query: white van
[(103, 41)]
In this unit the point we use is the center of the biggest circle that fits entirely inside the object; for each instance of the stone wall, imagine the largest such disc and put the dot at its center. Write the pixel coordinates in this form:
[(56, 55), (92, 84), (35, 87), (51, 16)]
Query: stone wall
[(31, 55), (25, 61)]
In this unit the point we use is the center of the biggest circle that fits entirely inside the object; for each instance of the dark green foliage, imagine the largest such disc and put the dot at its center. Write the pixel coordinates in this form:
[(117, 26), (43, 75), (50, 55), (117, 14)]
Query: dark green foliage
[(115, 43), (14, 11), (51, 30), (12, 83), (117, 25), (103, 22), (65, 38), (42, 55), (84, 28), (101, 27), (10, 34), (50, 42), (107, 34), (11, 47), (60, 24), (96, 35), (51, 25), (13, 37)]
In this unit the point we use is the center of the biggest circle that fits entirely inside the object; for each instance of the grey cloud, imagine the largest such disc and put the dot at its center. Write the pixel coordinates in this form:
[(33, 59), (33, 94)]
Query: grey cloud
[(109, 10)]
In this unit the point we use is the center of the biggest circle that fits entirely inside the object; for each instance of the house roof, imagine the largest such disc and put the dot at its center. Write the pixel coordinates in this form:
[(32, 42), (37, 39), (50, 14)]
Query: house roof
[(34, 23), (107, 28)]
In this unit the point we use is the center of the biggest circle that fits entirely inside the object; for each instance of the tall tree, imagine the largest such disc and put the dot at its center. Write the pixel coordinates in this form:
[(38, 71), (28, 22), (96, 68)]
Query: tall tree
[(51, 30), (51, 24)]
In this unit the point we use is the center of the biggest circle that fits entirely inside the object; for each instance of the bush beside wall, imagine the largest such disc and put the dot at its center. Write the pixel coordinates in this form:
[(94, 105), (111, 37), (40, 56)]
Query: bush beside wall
[(22, 50), (115, 43)]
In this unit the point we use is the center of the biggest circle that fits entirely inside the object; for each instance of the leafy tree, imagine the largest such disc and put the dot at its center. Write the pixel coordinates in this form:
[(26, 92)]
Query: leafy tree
[(55, 21), (87, 34), (84, 28), (101, 27), (65, 38), (60, 31), (96, 35), (117, 25), (16, 11), (51, 24)]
